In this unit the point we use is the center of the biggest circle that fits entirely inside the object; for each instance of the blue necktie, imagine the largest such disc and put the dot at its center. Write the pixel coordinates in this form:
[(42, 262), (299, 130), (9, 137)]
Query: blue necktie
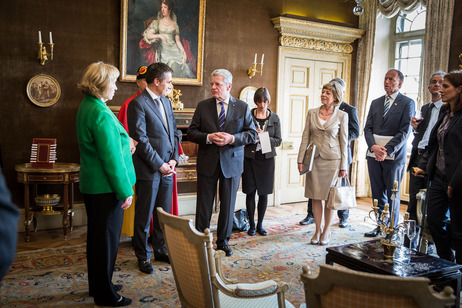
[(387, 105), (221, 117)]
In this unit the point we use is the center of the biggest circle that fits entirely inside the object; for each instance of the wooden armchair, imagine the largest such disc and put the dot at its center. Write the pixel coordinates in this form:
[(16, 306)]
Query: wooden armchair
[(198, 275), (336, 287)]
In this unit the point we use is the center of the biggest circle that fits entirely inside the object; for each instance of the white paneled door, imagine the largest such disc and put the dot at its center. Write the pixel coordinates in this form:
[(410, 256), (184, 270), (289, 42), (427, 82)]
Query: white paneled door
[(300, 84)]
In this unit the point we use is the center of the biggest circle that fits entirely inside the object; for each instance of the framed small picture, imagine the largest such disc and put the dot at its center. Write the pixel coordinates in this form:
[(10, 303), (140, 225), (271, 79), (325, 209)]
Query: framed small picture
[(43, 90), (247, 95), (167, 31)]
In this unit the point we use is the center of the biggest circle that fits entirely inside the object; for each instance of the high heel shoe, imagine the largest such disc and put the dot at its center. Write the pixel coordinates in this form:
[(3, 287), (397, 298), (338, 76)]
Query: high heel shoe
[(315, 239), (325, 238)]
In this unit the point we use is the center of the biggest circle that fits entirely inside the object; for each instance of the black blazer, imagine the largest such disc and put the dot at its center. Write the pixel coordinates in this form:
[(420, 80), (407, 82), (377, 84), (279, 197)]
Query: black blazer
[(238, 123), (396, 123), (452, 150), (156, 144), (9, 215), (353, 126), (274, 132)]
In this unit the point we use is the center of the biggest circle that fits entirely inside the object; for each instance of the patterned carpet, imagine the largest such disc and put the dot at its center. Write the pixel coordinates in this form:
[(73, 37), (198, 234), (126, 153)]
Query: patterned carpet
[(57, 277)]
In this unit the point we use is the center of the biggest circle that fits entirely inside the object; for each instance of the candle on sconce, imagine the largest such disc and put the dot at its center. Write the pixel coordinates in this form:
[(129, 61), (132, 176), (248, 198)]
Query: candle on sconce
[(255, 61), (262, 57), (40, 36), (51, 38)]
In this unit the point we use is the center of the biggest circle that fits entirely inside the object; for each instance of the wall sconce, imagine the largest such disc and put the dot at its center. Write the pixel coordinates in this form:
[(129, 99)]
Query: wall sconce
[(42, 52), (253, 68)]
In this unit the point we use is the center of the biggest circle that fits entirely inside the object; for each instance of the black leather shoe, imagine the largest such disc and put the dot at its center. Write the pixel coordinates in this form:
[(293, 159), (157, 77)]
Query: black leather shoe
[(226, 249), (262, 232), (343, 223), (307, 220), (145, 266), (373, 233), (251, 232), (162, 258), (123, 301), (116, 287)]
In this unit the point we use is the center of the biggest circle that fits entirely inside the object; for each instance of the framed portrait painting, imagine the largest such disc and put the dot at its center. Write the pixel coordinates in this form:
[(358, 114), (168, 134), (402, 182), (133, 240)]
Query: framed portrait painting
[(43, 90), (167, 31)]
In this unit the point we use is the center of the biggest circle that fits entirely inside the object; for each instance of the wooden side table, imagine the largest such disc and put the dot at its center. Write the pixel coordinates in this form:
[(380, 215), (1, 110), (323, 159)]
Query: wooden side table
[(62, 174)]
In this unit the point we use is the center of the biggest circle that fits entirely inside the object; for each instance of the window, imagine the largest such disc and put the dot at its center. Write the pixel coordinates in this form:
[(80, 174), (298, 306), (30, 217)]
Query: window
[(408, 40)]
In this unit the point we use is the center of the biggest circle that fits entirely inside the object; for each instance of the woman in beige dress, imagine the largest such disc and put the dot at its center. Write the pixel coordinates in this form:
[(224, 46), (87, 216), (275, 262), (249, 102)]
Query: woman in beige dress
[(327, 128)]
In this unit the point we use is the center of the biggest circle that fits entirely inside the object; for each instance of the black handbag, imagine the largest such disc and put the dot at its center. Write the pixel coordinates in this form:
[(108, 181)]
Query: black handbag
[(240, 221)]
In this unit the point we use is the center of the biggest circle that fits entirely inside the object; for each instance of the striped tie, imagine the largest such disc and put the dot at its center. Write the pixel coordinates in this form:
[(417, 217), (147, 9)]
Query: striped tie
[(387, 105), (221, 117)]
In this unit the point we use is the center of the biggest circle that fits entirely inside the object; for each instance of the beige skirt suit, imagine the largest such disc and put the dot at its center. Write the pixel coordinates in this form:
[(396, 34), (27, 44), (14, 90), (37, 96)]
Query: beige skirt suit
[(331, 140)]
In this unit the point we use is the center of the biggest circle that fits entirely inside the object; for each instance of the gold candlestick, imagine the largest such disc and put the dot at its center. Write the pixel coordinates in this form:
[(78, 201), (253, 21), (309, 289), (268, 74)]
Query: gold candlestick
[(43, 54)]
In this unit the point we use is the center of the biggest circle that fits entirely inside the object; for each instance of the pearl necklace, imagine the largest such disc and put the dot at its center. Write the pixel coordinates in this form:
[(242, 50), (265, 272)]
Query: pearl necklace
[(324, 114)]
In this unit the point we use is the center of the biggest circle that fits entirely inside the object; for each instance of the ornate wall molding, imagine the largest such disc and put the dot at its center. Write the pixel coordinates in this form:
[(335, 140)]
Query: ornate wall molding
[(299, 42), (315, 36)]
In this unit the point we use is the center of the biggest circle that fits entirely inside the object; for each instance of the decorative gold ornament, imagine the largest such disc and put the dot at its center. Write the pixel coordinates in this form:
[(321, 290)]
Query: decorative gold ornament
[(174, 97)]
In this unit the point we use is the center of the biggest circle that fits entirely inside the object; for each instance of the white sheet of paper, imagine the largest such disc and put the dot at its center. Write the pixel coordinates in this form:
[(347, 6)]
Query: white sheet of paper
[(265, 142), (382, 141)]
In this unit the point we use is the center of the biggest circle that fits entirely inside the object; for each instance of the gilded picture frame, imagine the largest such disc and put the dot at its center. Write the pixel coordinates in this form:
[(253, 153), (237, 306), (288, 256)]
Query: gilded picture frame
[(43, 90), (152, 32)]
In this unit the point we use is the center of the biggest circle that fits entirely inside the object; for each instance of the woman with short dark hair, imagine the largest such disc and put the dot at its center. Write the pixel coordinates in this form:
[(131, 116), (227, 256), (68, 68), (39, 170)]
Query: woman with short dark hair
[(258, 173)]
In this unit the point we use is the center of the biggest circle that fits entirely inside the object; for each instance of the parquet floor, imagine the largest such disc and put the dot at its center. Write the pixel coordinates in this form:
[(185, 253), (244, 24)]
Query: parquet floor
[(54, 237)]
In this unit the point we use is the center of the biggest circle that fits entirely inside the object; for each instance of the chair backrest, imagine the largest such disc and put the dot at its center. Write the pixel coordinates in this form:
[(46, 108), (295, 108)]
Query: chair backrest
[(189, 252), (339, 287)]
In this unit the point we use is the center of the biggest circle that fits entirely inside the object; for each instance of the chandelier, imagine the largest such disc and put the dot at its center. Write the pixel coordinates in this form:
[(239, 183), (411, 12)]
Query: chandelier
[(358, 9)]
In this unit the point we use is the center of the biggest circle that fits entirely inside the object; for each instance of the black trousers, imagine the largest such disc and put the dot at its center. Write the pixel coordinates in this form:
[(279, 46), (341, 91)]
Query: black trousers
[(446, 239), (150, 196), (105, 216), (416, 183), (206, 190)]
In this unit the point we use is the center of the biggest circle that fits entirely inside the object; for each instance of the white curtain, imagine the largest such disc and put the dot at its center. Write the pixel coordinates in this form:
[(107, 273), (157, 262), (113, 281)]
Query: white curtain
[(390, 8), (363, 74), (437, 39)]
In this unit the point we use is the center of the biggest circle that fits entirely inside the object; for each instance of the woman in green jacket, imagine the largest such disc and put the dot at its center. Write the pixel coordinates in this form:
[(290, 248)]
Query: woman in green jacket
[(106, 179)]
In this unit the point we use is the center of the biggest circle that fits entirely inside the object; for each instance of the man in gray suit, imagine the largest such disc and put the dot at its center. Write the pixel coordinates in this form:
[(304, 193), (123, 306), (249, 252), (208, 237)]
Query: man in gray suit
[(151, 123), (222, 126), (389, 117)]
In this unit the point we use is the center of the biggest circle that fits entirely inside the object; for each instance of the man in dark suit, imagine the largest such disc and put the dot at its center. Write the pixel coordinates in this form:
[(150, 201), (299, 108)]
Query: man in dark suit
[(353, 134), (422, 129), (222, 126), (389, 117), (9, 215), (151, 123)]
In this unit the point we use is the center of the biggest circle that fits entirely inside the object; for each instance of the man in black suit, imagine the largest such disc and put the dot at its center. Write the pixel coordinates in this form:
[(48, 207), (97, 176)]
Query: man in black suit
[(422, 129), (151, 123), (222, 126), (353, 133), (9, 214), (388, 119)]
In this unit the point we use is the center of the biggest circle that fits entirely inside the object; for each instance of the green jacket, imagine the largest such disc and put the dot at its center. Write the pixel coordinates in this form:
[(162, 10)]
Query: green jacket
[(105, 160)]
